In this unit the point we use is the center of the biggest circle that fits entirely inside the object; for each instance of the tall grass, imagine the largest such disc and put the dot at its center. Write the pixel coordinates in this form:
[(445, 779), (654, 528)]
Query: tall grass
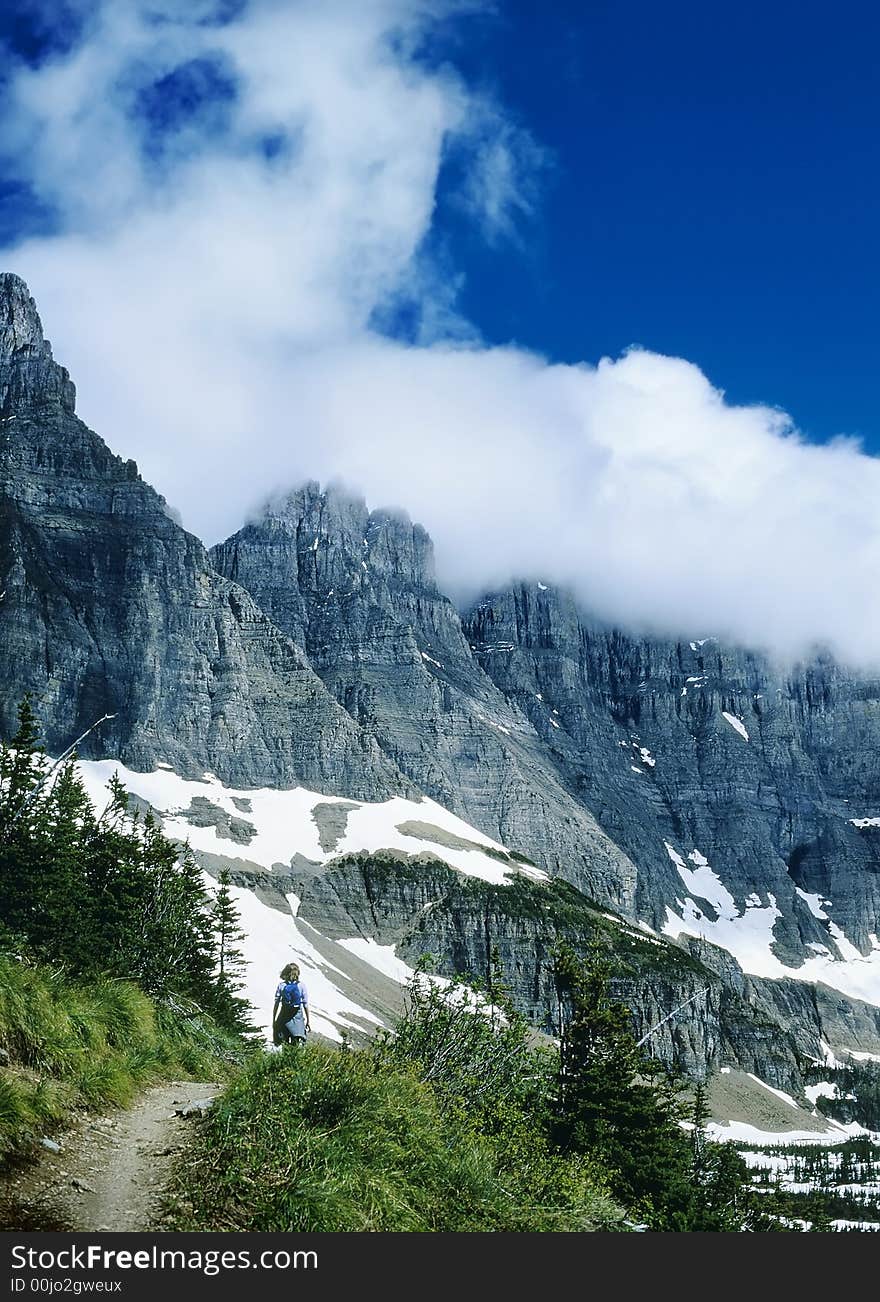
[(321, 1140), (75, 1046)]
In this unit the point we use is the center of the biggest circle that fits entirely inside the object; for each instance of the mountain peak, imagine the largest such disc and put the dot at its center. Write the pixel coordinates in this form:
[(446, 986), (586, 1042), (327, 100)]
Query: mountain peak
[(20, 325), (29, 377)]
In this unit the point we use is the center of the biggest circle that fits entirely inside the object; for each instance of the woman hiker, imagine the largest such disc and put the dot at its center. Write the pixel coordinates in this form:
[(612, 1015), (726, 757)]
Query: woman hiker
[(290, 1012)]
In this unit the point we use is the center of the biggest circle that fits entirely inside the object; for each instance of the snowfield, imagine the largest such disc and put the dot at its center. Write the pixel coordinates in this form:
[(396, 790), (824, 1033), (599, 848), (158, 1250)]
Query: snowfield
[(282, 824), (747, 933)]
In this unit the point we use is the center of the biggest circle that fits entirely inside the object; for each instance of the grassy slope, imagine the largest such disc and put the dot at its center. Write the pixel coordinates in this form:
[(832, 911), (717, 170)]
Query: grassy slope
[(74, 1047), (323, 1140)]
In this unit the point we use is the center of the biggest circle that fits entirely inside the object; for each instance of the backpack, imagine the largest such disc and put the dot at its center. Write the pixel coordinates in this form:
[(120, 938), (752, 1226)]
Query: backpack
[(291, 997)]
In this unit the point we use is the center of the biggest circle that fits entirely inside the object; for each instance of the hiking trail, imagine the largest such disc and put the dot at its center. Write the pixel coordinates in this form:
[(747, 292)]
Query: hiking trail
[(111, 1171)]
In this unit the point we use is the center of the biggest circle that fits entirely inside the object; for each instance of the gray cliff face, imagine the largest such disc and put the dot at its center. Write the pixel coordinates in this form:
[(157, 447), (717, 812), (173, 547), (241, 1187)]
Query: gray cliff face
[(110, 607), (356, 589), (585, 748), (641, 727)]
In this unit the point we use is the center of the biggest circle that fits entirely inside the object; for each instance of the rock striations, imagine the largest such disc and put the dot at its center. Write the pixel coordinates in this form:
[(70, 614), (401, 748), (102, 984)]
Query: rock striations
[(692, 751), (357, 590), (110, 607)]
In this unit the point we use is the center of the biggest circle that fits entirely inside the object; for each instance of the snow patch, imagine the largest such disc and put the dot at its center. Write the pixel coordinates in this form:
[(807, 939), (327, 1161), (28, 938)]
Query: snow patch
[(749, 938), (736, 723), (741, 1132), (780, 1094), (380, 957), (284, 824), (823, 1089), (703, 882), (829, 1058), (814, 903)]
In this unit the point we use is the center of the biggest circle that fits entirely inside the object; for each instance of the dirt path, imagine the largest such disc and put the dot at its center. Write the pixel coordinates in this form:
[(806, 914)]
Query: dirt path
[(111, 1171)]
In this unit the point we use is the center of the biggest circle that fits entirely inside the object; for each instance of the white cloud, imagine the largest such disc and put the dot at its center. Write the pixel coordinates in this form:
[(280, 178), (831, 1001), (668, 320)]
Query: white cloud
[(214, 306)]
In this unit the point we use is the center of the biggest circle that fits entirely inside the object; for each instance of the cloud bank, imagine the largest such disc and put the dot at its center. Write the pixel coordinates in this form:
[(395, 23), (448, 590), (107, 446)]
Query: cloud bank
[(240, 193)]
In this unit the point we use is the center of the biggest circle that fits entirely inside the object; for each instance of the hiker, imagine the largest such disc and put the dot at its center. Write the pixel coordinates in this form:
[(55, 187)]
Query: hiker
[(290, 1012)]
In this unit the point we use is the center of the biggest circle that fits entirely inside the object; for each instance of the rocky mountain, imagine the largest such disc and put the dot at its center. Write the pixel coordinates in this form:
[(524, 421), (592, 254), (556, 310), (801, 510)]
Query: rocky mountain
[(697, 787), (357, 590), (704, 761), (110, 607), (303, 699)]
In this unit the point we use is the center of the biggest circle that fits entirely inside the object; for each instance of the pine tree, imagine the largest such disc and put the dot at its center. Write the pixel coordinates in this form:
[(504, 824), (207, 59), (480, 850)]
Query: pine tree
[(115, 896), (614, 1102), (724, 1196), (23, 770), (230, 1008), (30, 820), (65, 820), (108, 894), (699, 1118)]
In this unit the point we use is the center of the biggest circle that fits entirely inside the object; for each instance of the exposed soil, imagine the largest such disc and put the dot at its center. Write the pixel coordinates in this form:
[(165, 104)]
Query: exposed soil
[(111, 1171)]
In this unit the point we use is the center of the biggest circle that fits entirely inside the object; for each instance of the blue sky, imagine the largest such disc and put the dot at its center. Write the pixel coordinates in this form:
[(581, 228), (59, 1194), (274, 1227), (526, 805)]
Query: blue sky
[(588, 289), (710, 188), (714, 193)]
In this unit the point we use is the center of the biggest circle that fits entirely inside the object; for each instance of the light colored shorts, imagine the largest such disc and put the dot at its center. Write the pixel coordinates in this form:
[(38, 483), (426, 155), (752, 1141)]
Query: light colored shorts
[(297, 1025)]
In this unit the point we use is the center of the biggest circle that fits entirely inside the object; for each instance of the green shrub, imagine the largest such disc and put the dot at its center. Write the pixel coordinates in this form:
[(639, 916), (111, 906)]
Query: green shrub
[(322, 1140)]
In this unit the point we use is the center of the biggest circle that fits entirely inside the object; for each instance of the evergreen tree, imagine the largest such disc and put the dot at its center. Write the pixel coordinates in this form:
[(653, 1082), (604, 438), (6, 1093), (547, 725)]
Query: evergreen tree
[(108, 894), (23, 768), (65, 819), (38, 825), (230, 1008), (115, 895), (616, 1103)]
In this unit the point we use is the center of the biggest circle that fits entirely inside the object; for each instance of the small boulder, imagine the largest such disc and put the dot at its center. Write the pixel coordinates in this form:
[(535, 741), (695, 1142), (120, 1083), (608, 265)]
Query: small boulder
[(194, 1109)]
